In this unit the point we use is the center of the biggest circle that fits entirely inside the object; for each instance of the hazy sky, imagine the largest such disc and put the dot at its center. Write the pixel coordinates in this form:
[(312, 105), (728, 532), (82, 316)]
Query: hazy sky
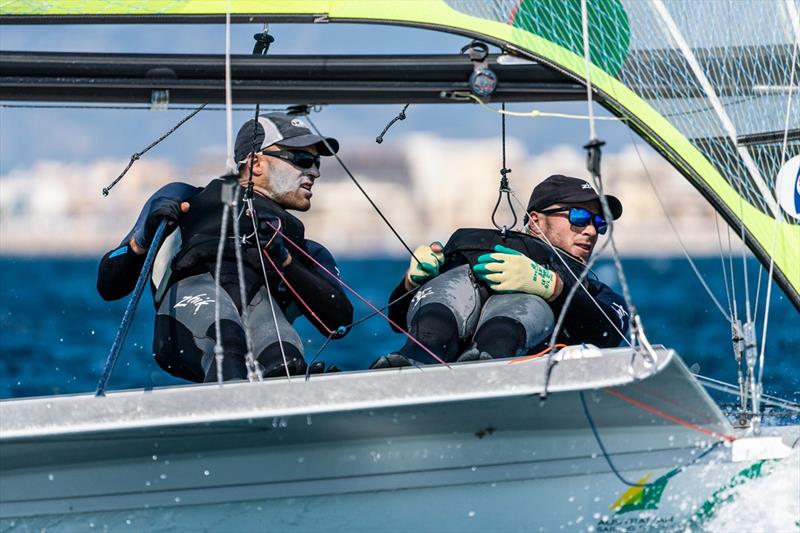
[(79, 135)]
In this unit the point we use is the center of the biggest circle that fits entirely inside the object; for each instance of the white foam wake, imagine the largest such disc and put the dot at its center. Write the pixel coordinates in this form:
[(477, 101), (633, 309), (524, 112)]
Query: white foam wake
[(770, 503)]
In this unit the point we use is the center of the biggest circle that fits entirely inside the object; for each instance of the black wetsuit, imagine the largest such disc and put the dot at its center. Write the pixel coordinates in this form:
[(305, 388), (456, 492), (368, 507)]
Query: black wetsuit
[(185, 331), (439, 328)]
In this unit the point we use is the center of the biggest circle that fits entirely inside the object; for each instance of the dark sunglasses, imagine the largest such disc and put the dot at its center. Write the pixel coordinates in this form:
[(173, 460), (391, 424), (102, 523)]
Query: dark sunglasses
[(578, 216), (298, 158)]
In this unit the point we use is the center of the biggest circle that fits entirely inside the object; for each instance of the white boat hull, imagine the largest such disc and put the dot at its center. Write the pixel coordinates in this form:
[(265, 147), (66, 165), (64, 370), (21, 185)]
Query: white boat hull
[(467, 448)]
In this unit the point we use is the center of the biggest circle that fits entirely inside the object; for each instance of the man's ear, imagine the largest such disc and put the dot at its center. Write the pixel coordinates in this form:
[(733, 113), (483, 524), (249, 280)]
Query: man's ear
[(534, 221)]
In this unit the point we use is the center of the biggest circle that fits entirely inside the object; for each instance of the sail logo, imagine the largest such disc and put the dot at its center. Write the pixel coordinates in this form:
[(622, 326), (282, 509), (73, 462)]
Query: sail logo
[(787, 187)]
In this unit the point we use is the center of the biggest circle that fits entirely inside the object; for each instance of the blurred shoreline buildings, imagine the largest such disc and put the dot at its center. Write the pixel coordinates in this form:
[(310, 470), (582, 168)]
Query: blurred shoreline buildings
[(426, 185)]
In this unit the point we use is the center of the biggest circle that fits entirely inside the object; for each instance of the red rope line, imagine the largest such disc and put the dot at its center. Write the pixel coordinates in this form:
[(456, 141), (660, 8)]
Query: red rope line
[(353, 291), (291, 288), (667, 416), (537, 355)]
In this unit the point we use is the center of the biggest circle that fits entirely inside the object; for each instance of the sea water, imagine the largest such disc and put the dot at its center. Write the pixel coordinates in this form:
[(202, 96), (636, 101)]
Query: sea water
[(55, 333)]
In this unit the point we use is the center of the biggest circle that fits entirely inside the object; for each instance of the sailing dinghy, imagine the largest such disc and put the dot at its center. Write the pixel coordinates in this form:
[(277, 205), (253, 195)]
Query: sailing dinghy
[(580, 439)]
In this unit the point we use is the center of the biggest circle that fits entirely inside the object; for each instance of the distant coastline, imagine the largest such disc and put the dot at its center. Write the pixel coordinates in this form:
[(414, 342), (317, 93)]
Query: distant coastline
[(425, 197)]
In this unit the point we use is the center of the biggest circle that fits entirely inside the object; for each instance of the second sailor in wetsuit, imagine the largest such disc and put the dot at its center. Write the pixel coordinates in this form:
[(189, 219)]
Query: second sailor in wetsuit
[(284, 166), (485, 295)]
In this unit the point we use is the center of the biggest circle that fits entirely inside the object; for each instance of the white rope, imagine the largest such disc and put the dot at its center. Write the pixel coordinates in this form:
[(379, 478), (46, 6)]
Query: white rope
[(535, 113), (253, 372), (219, 352), (678, 237), (777, 221), (230, 164), (587, 62), (254, 217)]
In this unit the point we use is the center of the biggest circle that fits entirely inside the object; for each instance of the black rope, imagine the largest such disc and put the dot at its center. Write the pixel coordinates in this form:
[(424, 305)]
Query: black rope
[(504, 187), (401, 116), (135, 157), (360, 188), (314, 359), (608, 457)]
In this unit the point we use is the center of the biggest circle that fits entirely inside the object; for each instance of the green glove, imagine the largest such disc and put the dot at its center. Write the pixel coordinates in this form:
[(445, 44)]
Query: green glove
[(430, 259), (507, 270)]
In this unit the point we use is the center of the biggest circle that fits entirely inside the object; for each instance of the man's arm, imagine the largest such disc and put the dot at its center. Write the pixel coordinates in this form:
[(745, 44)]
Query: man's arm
[(320, 291), (398, 311), (120, 268), (584, 322)]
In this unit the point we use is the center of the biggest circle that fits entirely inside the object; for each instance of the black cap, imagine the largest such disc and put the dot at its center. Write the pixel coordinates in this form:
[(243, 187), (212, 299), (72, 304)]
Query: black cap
[(558, 189), (279, 128)]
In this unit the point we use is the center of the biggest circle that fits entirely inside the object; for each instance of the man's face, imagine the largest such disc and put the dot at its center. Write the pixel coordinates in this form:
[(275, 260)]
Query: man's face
[(575, 240), (284, 182)]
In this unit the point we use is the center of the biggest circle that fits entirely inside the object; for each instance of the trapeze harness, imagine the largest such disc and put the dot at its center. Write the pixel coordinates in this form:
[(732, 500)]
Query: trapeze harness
[(582, 323)]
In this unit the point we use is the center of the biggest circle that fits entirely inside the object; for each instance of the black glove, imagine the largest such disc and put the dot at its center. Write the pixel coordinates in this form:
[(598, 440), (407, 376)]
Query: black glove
[(277, 248), (160, 208)]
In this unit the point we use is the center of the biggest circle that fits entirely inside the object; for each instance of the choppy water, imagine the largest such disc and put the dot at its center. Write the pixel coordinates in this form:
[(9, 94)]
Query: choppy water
[(56, 331)]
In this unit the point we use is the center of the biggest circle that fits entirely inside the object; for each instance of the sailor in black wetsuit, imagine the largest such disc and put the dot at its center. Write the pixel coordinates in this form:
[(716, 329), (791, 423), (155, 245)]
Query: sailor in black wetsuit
[(485, 295), (283, 167)]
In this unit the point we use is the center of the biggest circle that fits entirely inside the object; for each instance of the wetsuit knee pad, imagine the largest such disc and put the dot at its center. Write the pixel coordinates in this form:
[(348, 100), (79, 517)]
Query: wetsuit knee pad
[(175, 350), (436, 327), (530, 313), (233, 337), (501, 336), (234, 345), (271, 359)]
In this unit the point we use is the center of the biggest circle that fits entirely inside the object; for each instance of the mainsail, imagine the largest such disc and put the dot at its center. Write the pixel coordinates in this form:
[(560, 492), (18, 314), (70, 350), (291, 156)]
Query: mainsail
[(711, 85)]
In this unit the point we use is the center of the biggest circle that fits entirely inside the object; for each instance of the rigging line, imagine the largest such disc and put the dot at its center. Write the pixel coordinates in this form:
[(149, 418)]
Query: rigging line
[(292, 289), (758, 289), (588, 64), (384, 308), (219, 352), (535, 113), (677, 235), (722, 260), (576, 277), (733, 278), (357, 295), (136, 156), (249, 356), (272, 302), (593, 164), (314, 359), (607, 457), (504, 187), (209, 107), (732, 389), (719, 109), (775, 225), (666, 416), (230, 163), (360, 188)]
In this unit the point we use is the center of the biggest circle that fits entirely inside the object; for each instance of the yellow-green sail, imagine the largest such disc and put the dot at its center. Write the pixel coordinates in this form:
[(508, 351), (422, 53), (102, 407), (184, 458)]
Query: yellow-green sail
[(694, 79)]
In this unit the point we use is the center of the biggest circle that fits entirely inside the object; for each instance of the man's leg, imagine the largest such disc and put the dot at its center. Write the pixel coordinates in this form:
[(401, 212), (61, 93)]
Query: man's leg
[(267, 349), (185, 332), (513, 324), (443, 312)]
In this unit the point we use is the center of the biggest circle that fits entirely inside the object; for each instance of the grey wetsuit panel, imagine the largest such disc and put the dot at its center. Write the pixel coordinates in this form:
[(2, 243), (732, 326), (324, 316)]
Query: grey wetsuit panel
[(191, 302), (456, 289), (531, 311)]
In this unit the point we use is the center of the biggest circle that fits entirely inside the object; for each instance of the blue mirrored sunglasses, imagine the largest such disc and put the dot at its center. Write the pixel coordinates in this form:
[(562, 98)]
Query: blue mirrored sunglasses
[(581, 217)]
